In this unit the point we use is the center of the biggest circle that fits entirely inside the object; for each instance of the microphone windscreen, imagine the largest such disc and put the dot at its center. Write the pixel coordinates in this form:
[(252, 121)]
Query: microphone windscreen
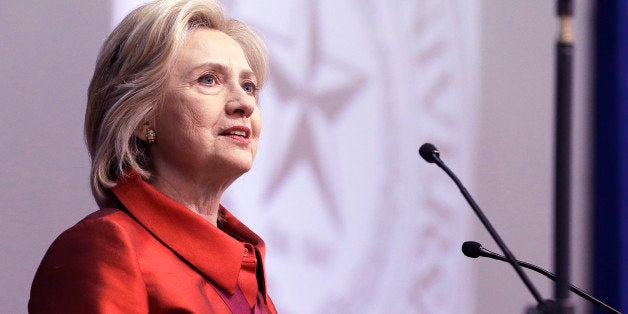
[(471, 249), (427, 151)]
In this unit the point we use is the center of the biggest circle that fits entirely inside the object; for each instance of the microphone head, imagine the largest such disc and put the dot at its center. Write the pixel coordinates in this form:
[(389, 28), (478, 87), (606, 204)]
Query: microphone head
[(472, 249), (429, 152)]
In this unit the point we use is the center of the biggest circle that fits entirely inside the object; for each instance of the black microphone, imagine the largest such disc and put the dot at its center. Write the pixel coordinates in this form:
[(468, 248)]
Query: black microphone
[(474, 250), (430, 153)]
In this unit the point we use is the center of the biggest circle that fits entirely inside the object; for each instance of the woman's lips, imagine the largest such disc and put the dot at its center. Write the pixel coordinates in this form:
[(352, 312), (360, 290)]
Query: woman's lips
[(239, 133)]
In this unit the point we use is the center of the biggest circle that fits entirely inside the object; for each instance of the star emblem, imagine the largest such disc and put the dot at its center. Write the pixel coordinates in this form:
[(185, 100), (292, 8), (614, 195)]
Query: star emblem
[(302, 84)]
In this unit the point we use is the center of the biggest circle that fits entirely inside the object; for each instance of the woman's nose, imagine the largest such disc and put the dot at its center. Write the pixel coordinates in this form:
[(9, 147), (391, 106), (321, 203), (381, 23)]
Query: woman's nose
[(239, 102)]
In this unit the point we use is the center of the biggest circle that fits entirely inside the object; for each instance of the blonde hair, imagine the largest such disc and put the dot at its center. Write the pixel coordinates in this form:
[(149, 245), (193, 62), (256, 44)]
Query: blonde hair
[(130, 78)]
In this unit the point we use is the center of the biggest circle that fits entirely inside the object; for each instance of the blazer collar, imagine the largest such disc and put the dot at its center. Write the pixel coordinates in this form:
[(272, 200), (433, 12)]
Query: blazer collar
[(212, 251)]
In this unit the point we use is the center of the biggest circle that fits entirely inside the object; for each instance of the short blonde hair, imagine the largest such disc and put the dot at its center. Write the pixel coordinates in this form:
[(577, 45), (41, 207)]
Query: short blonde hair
[(131, 75)]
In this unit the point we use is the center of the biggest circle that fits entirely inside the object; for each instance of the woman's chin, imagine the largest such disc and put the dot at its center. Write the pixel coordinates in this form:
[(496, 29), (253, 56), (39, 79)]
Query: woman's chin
[(240, 165)]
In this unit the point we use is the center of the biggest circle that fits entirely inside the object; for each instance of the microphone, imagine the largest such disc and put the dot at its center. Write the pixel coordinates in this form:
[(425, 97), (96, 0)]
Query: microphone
[(473, 249), (430, 153)]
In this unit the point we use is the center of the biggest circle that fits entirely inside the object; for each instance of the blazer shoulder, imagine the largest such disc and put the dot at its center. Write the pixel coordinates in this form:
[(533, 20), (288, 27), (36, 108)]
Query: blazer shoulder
[(90, 267), (107, 222), (106, 215)]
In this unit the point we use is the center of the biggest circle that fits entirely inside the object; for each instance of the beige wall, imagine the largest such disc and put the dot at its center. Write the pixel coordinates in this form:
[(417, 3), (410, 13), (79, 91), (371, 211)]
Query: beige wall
[(47, 53)]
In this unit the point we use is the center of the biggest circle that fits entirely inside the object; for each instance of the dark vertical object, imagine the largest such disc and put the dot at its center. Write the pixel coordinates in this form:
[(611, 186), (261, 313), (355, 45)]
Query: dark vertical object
[(562, 179), (610, 258)]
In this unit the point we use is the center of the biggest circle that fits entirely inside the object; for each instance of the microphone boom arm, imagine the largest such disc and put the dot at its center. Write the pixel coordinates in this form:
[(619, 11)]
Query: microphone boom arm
[(490, 254), (511, 258)]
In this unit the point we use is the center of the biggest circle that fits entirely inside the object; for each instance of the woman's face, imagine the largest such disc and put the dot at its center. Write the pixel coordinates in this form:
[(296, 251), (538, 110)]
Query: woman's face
[(209, 124)]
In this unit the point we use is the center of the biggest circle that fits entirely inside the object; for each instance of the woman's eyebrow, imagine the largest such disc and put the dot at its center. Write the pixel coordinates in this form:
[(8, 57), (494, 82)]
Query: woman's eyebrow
[(248, 74), (221, 68), (214, 66)]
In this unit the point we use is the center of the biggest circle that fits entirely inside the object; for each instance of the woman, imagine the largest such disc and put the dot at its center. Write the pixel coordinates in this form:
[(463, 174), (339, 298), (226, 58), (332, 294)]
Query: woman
[(172, 120)]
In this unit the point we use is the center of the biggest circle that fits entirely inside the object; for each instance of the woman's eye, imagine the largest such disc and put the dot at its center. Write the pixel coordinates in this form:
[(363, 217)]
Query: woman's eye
[(249, 87), (207, 79)]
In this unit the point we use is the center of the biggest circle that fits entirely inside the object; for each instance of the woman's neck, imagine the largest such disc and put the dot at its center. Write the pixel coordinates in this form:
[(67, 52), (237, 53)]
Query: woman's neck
[(200, 196)]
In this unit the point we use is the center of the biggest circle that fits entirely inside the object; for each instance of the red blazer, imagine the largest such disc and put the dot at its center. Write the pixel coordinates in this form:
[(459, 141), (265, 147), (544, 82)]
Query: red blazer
[(153, 256)]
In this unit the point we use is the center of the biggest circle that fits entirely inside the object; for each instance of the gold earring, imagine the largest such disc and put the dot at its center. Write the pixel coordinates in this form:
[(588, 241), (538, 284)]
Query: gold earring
[(151, 135)]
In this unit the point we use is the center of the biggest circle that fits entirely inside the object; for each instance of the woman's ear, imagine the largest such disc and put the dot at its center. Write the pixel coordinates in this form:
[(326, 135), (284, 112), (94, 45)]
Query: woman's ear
[(140, 132)]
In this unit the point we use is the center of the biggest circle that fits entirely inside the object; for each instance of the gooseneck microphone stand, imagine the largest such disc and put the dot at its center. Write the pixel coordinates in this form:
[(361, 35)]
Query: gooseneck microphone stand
[(473, 249), (430, 153), (562, 159)]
